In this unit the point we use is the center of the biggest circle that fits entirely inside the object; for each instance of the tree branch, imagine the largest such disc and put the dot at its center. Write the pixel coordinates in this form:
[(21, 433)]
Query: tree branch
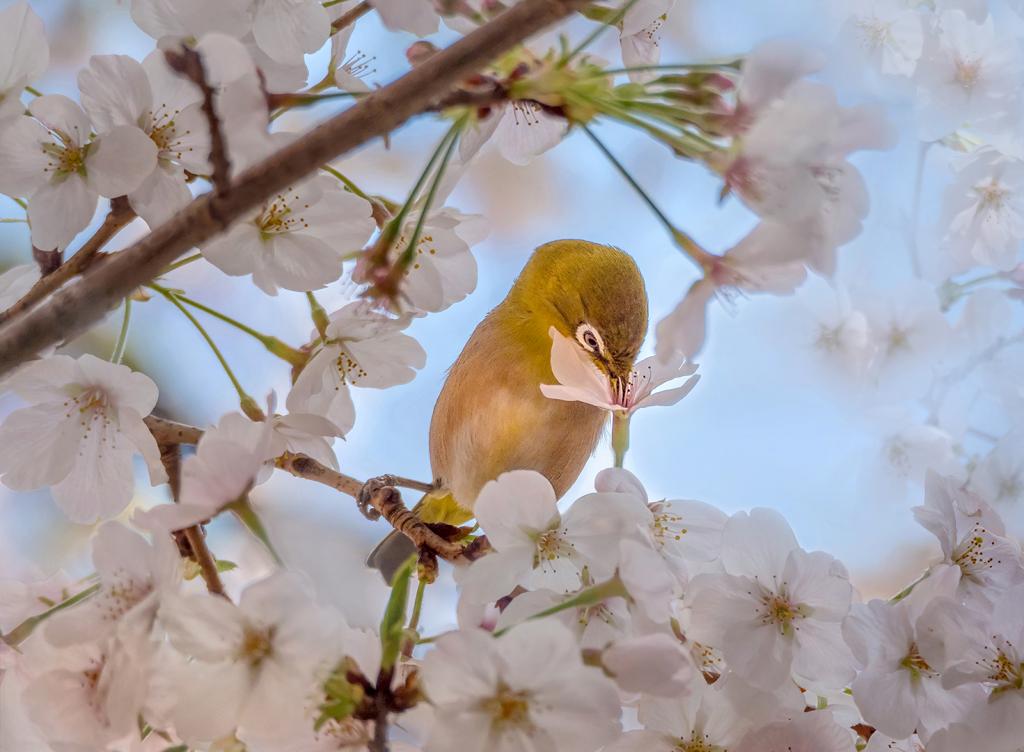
[(170, 456), (189, 63), (120, 214), (74, 309), (386, 501), (351, 16)]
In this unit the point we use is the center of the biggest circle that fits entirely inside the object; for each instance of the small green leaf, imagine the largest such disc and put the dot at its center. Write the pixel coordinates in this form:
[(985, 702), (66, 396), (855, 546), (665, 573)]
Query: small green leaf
[(223, 565), (392, 626)]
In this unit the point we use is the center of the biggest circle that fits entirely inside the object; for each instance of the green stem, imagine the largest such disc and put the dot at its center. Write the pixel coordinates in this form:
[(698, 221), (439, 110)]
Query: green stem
[(689, 246), (319, 315), (417, 605), (242, 396), (122, 338), (273, 344), (21, 632), (20, 202), (729, 65), (243, 510), (453, 138), (591, 596), (392, 229), (620, 436), (13, 220), (909, 588), (33, 91), (589, 39), (183, 262), (345, 181)]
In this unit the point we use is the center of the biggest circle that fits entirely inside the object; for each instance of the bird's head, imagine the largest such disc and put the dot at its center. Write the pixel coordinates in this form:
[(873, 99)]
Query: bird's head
[(592, 294)]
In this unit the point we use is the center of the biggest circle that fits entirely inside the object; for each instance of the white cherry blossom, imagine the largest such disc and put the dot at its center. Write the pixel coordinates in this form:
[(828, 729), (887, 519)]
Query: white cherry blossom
[(134, 574), (520, 129), (298, 240), (536, 546), (51, 158), (808, 732), (78, 434), (117, 91), (889, 35), (24, 55), (640, 34), (287, 30), (1000, 474), (898, 691), (364, 348), (254, 657), (526, 689), (414, 16), (776, 611), (192, 18)]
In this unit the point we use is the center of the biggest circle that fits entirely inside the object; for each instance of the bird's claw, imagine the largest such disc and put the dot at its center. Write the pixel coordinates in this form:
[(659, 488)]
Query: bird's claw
[(366, 493)]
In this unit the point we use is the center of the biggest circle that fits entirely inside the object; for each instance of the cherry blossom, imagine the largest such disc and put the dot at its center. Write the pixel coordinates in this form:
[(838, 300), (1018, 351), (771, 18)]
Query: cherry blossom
[(51, 158), (134, 574), (580, 380), (777, 609), (528, 687), (192, 18), (286, 30), (24, 55), (414, 16), (298, 240), (1000, 474), (78, 434), (521, 130), (808, 732), (888, 34), (253, 657), (228, 462), (968, 74), (364, 348), (898, 691), (640, 33), (118, 91), (651, 664), (535, 545), (986, 215)]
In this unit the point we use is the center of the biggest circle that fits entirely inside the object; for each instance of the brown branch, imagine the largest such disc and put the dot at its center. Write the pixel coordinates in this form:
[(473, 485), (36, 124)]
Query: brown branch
[(189, 63), (120, 214), (74, 309), (170, 456), (170, 432), (349, 17)]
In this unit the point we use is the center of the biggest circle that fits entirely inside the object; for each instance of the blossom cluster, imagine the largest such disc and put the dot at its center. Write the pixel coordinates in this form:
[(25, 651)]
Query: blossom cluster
[(619, 622)]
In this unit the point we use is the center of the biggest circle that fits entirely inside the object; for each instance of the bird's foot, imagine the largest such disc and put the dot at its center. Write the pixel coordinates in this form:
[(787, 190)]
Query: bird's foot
[(366, 493)]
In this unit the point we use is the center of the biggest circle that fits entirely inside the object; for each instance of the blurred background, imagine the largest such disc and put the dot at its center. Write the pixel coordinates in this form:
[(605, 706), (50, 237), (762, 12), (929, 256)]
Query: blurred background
[(772, 423)]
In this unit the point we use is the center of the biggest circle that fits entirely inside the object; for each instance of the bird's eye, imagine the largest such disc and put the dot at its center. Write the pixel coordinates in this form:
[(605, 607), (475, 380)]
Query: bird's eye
[(589, 338)]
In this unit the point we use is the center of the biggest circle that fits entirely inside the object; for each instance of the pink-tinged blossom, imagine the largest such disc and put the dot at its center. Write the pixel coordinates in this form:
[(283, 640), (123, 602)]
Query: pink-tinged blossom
[(808, 732), (581, 381)]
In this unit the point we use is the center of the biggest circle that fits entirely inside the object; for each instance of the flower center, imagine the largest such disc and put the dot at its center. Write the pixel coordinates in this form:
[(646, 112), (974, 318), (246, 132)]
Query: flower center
[(778, 609), (348, 368), (257, 644), (162, 131), (970, 554), (65, 159), (92, 398), (508, 708), (898, 340), (991, 195), (917, 665), (697, 742), (279, 217), (874, 33), (550, 545), (967, 72), (667, 526)]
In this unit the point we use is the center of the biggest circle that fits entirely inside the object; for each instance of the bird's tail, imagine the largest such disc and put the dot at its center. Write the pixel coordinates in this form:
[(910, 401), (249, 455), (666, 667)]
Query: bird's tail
[(392, 552)]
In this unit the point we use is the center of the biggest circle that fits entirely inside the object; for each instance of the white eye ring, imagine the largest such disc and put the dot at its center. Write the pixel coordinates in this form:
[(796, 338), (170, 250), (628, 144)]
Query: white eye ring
[(587, 336)]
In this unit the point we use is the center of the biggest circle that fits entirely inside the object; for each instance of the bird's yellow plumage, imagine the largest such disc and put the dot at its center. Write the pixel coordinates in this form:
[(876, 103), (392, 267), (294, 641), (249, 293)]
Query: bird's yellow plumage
[(491, 416)]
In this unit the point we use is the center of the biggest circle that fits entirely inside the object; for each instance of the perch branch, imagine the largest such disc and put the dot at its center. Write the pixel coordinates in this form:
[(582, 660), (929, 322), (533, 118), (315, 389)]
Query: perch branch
[(74, 309), (120, 214)]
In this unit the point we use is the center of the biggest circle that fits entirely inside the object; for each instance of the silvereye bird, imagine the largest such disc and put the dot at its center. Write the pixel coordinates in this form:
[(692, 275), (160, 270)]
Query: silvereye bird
[(491, 416)]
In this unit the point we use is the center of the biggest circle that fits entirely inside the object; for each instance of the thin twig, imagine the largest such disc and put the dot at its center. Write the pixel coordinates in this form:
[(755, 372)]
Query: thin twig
[(120, 214), (170, 432), (349, 17), (76, 308), (170, 456), (189, 63)]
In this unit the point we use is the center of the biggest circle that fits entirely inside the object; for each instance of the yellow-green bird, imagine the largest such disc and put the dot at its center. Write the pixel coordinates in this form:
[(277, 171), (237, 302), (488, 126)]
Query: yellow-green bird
[(491, 416)]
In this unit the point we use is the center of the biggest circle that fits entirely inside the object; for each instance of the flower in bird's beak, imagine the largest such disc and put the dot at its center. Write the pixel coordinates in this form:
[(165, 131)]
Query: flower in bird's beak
[(580, 380)]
